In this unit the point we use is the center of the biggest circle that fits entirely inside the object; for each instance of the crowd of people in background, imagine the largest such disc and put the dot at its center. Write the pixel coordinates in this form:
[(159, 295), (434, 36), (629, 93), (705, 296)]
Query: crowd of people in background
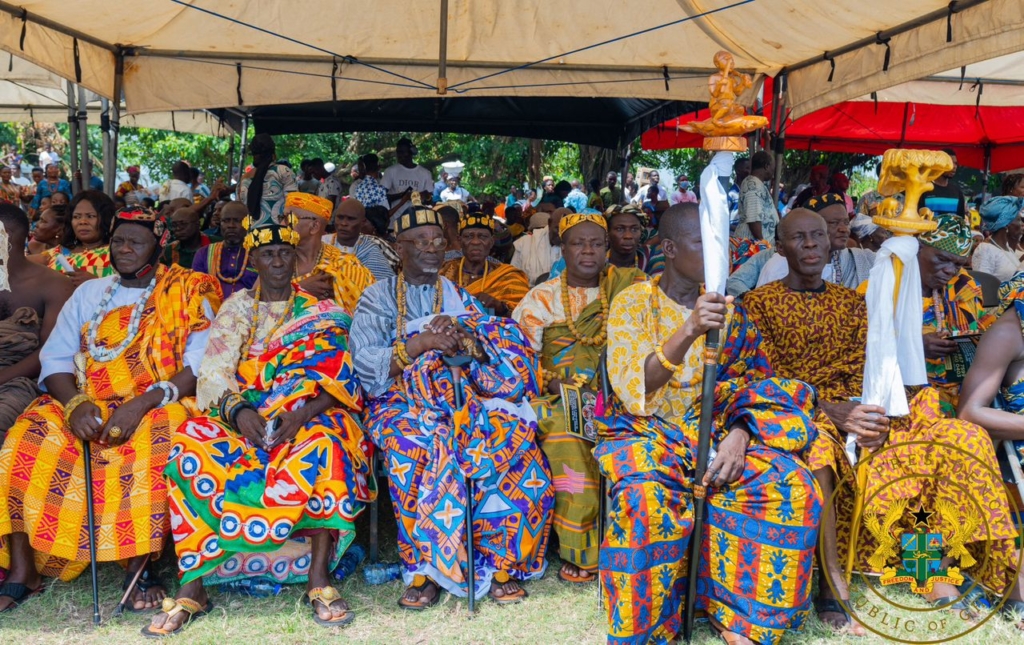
[(236, 354)]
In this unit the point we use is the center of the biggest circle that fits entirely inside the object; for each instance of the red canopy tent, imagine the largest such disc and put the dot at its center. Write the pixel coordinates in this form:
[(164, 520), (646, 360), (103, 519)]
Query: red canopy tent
[(872, 128)]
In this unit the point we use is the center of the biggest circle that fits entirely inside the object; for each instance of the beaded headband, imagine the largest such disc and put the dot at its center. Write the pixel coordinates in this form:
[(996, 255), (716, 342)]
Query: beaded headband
[(575, 219), (143, 217)]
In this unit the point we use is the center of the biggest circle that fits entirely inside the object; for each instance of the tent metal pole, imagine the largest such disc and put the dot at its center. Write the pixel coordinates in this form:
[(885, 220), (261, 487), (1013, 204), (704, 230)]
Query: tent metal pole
[(115, 124), (242, 153), (442, 54), (108, 179), (73, 137), (779, 112), (988, 169), (83, 134)]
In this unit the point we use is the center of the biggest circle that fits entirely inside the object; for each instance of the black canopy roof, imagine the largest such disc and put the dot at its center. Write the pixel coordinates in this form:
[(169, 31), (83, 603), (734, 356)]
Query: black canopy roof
[(605, 122)]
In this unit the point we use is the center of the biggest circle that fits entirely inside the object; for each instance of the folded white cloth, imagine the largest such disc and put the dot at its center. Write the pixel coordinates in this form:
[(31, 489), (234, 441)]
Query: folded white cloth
[(714, 221), (895, 348)]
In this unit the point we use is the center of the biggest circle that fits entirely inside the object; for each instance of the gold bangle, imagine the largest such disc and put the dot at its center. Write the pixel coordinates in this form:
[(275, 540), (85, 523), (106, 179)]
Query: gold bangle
[(667, 364), (401, 355), (73, 404)]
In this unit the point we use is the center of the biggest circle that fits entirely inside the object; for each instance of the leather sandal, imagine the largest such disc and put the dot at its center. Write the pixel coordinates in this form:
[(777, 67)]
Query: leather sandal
[(172, 606), (325, 596), (577, 580), (18, 593), (500, 578), (146, 581), (419, 583)]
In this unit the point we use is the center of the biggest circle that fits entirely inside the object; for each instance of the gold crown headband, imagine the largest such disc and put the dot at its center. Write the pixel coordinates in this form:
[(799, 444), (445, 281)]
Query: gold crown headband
[(267, 233), (476, 221), (575, 219)]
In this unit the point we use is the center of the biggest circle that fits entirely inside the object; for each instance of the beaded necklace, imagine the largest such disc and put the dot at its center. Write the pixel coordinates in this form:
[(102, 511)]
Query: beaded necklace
[(400, 298), (592, 341), (255, 321), (215, 261), (462, 262), (316, 264), (107, 354), (656, 315)]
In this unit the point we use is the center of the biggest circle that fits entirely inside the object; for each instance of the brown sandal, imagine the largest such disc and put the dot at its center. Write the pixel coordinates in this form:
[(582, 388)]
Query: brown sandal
[(419, 583), (577, 580), (325, 596), (500, 578), (173, 606)]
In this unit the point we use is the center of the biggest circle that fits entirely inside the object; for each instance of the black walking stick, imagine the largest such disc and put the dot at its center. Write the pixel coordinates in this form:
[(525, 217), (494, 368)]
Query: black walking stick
[(707, 417), (456, 364), (91, 522)]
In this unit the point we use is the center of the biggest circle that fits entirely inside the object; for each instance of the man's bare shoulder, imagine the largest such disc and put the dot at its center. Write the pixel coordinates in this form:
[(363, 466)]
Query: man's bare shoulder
[(52, 286)]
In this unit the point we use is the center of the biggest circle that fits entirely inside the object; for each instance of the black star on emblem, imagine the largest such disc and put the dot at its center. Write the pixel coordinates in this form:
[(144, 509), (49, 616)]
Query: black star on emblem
[(921, 516)]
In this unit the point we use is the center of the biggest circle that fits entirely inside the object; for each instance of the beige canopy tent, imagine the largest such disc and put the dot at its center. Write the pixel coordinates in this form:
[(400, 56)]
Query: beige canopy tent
[(173, 54), (30, 93)]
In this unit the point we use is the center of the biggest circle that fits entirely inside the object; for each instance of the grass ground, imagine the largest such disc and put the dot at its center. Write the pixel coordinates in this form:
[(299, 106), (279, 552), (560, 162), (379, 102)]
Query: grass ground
[(554, 613)]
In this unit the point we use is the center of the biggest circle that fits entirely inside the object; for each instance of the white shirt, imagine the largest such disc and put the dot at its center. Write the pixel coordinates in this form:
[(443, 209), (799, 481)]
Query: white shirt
[(58, 353), (175, 189), (47, 158), (534, 254), (460, 194), (989, 258), (641, 194), (397, 178)]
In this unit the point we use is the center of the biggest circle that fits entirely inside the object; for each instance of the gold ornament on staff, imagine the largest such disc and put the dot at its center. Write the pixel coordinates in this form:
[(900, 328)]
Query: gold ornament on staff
[(724, 131), (912, 172)]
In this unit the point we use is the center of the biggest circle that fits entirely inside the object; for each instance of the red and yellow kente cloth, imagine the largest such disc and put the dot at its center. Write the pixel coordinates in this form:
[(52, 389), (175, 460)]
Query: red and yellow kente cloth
[(934, 477), (350, 276), (42, 475), (95, 261), (237, 511), (501, 281)]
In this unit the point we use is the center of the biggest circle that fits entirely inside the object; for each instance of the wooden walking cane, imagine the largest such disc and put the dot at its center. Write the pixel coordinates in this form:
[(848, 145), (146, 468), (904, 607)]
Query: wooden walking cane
[(456, 364), (707, 417)]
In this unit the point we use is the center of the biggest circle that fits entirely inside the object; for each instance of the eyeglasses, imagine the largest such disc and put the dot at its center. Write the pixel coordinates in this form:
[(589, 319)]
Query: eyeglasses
[(432, 244)]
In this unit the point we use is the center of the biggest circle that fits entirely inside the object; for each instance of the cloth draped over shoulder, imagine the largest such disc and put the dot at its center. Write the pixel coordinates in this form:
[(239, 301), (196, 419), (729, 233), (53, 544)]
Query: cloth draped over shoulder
[(95, 261), (761, 531), (542, 314), (502, 281), (239, 511), (42, 478), (350, 276), (431, 447)]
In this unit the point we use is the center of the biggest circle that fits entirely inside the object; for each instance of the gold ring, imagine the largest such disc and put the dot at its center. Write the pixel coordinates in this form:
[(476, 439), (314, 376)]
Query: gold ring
[(115, 432)]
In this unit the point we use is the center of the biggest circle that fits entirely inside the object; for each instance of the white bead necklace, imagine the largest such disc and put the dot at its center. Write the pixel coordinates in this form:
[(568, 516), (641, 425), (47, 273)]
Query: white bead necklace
[(107, 354)]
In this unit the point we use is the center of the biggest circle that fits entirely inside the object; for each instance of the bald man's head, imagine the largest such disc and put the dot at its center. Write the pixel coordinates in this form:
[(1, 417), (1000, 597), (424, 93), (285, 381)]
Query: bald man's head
[(803, 239)]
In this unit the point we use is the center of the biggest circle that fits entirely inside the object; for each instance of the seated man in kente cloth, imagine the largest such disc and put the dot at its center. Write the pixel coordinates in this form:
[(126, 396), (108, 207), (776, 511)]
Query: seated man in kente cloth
[(992, 397), (320, 268), (816, 331), (915, 477), (764, 506), (565, 320), (119, 371), (270, 482), (30, 299), (402, 329), (497, 286)]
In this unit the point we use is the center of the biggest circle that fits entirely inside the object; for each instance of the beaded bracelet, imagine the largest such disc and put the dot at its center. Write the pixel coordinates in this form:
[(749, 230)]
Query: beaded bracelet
[(170, 391), (667, 364), (231, 405)]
